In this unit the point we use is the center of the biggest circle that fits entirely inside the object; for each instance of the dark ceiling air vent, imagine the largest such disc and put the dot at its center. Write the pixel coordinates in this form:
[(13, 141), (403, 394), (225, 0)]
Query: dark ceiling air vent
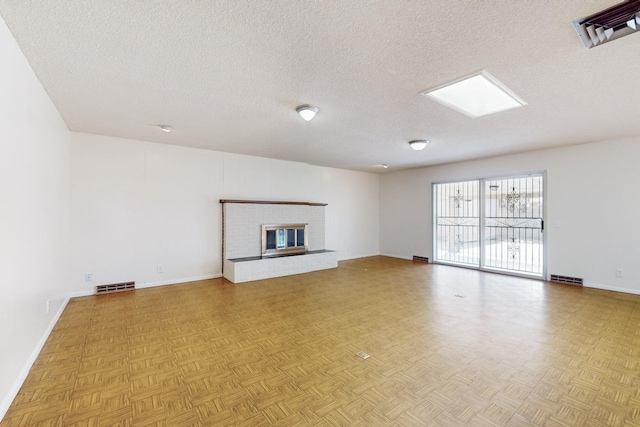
[(610, 24)]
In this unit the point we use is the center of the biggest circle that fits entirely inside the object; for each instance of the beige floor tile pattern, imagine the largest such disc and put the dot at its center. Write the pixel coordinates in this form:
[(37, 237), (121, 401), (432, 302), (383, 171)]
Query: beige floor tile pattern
[(448, 346)]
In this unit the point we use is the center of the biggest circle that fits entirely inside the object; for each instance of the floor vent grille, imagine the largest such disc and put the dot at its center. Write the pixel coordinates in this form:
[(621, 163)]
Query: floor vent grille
[(566, 280), (115, 287), (420, 258)]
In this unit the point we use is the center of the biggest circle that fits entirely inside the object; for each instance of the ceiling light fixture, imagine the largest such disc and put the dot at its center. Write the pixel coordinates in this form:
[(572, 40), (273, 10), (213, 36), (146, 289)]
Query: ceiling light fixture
[(477, 95), (307, 111), (384, 166), (418, 144), (166, 128)]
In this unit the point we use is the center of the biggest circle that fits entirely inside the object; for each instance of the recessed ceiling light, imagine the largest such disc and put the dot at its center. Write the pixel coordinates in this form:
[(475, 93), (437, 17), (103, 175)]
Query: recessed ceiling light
[(166, 128), (477, 95), (418, 144), (307, 112), (384, 166)]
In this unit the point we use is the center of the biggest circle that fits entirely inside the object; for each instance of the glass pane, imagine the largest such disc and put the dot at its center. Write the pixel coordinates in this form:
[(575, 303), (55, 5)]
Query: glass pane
[(513, 224), (511, 213), (300, 237), (458, 222), (281, 242), (291, 238), (271, 239)]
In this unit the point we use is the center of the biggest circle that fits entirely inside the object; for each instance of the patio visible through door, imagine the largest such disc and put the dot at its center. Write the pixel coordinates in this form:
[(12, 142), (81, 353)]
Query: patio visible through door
[(492, 224)]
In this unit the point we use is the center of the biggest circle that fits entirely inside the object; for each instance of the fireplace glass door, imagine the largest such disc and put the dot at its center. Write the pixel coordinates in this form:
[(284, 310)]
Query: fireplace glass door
[(284, 239), (281, 242)]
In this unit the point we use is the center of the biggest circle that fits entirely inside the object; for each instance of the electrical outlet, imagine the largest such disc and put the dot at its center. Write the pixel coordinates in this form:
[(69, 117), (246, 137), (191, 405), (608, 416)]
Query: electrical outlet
[(620, 273), (160, 269), (88, 277), (47, 306)]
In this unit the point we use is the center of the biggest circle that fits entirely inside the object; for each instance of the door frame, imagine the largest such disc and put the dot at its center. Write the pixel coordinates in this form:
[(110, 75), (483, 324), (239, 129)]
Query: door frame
[(481, 232)]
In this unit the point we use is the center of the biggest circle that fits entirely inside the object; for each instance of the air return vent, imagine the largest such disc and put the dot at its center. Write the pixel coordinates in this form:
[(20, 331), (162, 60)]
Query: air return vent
[(420, 258), (609, 24), (566, 280), (115, 287)]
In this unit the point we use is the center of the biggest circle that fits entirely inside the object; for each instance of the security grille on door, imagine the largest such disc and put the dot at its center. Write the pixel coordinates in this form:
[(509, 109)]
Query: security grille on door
[(493, 224), (513, 224), (457, 222)]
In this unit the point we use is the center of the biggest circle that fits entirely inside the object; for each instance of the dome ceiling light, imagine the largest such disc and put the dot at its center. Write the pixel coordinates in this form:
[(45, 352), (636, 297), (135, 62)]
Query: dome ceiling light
[(307, 111), (418, 144)]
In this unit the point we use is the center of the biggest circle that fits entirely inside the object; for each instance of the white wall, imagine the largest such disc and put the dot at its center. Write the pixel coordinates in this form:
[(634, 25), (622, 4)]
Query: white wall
[(592, 202), (353, 221), (136, 205), (34, 216)]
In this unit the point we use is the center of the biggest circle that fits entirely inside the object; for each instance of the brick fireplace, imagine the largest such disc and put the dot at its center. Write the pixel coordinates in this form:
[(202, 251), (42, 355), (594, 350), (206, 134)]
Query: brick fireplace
[(245, 224)]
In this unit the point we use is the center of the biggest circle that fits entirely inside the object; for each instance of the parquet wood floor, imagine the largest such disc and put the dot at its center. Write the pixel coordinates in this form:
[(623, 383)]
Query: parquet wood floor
[(448, 346)]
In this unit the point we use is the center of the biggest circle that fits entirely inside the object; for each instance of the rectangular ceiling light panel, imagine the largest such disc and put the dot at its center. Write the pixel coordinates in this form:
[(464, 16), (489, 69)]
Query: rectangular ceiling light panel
[(477, 95)]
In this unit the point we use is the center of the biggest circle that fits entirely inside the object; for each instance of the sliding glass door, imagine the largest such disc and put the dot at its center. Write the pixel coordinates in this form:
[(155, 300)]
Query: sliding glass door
[(493, 224), (513, 224), (458, 223)]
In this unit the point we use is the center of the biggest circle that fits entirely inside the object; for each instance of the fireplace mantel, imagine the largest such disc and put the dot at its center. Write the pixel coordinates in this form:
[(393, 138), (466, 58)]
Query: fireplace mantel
[(268, 202)]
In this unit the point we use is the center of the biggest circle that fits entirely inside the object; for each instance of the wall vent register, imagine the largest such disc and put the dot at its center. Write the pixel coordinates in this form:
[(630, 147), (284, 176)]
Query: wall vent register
[(115, 287), (284, 239), (566, 279)]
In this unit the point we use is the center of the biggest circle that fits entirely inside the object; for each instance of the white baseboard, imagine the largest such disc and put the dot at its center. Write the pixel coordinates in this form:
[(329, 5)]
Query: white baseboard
[(89, 292), (22, 375), (177, 281), (611, 288), (357, 257), (410, 258), (79, 294)]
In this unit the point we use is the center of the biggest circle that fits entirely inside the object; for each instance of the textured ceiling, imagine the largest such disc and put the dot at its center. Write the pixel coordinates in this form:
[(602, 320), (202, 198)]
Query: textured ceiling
[(228, 75)]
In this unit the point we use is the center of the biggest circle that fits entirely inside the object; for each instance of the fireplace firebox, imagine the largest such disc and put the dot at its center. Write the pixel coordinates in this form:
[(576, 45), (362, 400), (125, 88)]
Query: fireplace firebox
[(284, 239)]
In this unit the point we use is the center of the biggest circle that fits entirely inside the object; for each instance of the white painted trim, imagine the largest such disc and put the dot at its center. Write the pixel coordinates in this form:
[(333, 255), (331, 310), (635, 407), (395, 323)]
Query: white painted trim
[(79, 294), (177, 281), (90, 292), (611, 288), (357, 257), (15, 388), (409, 258)]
